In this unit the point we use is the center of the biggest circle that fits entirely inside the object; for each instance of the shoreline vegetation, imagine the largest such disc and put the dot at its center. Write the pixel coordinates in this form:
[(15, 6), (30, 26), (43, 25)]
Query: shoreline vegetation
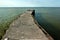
[(5, 25)]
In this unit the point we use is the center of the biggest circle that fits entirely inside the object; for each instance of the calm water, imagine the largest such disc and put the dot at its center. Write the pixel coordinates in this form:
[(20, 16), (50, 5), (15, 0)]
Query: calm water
[(47, 17)]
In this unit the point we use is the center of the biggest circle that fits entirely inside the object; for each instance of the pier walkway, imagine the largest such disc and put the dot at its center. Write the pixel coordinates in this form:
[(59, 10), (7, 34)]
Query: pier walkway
[(24, 28)]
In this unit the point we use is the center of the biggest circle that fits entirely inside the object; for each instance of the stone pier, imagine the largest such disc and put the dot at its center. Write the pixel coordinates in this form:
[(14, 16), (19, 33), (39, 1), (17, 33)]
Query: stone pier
[(24, 28)]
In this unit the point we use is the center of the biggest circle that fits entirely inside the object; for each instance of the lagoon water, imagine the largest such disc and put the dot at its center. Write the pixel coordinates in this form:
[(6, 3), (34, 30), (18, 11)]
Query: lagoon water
[(47, 17)]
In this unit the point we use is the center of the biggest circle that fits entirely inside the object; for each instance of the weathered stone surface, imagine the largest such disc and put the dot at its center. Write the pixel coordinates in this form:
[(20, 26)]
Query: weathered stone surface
[(24, 28)]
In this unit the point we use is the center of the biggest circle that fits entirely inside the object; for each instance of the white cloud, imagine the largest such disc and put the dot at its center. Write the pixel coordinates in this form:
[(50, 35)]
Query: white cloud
[(10, 3), (29, 3), (7, 3)]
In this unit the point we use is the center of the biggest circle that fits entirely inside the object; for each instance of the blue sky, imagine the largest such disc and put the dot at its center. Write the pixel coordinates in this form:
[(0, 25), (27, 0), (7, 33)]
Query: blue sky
[(29, 3)]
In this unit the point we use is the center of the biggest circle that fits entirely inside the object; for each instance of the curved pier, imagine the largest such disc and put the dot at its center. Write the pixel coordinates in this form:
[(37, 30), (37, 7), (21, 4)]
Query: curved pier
[(25, 28)]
